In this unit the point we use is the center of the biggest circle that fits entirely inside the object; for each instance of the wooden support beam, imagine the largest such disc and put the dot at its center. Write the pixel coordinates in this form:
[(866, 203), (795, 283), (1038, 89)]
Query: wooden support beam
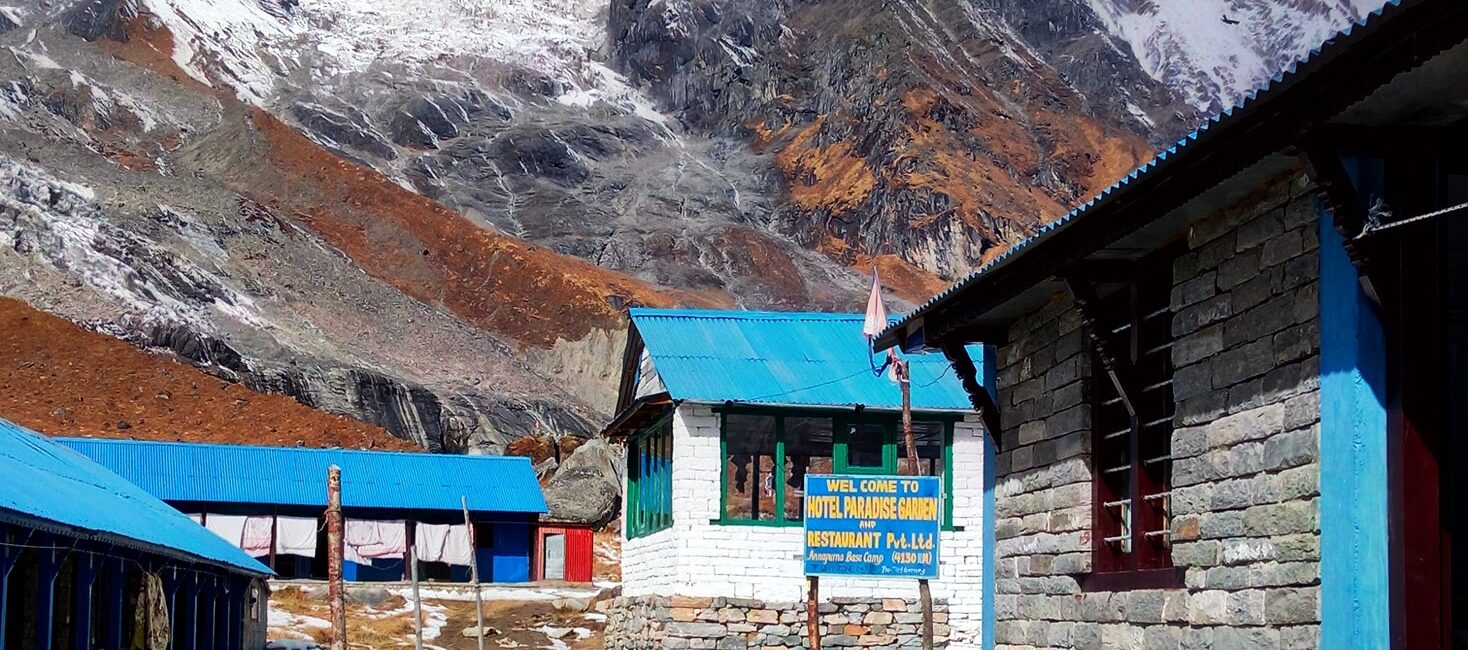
[(114, 597), (85, 569), (1114, 363), (52, 557), (1338, 196), (185, 612), (978, 395)]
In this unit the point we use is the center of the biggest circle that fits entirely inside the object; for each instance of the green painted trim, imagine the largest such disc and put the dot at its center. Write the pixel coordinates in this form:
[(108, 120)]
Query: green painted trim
[(650, 479), (760, 523), (840, 456), (834, 412), (948, 476), (780, 469), (723, 466)]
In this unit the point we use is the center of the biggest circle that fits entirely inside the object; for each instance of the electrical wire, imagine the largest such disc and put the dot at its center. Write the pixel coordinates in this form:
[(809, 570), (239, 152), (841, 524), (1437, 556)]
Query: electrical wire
[(805, 388), (939, 378), (1378, 227)]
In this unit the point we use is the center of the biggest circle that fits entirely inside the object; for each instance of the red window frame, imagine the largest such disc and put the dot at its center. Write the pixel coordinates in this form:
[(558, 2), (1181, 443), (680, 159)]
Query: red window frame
[(1132, 455)]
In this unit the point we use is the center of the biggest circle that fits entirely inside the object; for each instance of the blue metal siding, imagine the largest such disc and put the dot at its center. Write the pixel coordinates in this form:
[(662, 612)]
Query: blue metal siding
[(783, 358), (510, 554), (48, 482), (291, 476)]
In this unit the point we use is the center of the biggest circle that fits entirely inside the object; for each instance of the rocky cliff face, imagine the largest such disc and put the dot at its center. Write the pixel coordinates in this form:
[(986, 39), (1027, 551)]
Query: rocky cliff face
[(431, 216), (934, 133)]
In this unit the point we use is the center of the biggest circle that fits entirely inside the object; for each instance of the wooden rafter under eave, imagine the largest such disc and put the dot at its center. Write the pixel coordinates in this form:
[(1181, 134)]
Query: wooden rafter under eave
[(1117, 366), (978, 395)]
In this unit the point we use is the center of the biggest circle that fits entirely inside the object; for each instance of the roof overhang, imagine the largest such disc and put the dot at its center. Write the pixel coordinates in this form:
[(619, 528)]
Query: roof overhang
[(121, 541), (1220, 164), (640, 413), (829, 408)]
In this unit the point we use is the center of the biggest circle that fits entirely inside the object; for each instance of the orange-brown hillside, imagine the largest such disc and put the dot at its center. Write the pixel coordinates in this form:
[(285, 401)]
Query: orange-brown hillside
[(62, 380), (525, 292)]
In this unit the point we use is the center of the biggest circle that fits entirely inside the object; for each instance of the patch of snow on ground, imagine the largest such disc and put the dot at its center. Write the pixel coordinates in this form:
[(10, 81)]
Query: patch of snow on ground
[(466, 593), (287, 621)]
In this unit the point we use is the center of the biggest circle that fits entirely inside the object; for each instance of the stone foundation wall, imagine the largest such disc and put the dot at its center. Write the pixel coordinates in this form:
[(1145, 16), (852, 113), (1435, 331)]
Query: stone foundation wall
[(647, 622)]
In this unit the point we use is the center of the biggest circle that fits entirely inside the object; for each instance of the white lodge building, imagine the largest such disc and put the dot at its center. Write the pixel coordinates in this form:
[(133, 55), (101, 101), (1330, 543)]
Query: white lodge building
[(724, 413)]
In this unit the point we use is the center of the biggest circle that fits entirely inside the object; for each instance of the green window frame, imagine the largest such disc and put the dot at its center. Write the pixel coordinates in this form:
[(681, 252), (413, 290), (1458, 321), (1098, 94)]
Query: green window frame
[(888, 425), (650, 480)]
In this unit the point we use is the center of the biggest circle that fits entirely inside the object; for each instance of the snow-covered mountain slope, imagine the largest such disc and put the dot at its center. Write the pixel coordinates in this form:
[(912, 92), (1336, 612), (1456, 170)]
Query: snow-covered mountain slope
[(1215, 51)]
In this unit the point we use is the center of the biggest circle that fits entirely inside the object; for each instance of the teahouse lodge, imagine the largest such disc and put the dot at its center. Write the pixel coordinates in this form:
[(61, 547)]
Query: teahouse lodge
[(724, 413)]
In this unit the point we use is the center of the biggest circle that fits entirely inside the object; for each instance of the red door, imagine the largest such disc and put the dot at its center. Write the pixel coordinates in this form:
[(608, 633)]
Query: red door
[(578, 554)]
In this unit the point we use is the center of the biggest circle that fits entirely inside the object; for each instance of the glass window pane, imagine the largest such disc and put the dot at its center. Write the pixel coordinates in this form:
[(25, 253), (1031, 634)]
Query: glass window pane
[(864, 444), (749, 467), (928, 437), (807, 451)]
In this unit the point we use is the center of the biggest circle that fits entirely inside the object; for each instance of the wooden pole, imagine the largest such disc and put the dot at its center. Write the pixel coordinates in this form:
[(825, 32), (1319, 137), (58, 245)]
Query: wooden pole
[(474, 573), (925, 595), (813, 611), (336, 591), (417, 602)]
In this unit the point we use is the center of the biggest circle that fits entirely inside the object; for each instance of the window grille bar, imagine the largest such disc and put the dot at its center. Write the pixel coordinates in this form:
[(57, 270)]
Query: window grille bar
[(1158, 459), (1159, 495), (1113, 504), (1161, 384), (1159, 421), (1158, 533), (1113, 470), (1117, 539)]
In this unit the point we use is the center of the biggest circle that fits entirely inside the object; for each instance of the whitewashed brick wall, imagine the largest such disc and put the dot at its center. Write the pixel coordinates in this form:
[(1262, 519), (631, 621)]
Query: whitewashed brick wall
[(699, 558)]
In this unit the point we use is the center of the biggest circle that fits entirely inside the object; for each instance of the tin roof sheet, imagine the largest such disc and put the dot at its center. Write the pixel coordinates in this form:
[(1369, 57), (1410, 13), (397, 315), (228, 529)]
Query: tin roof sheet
[(784, 358), (296, 476), (49, 483)]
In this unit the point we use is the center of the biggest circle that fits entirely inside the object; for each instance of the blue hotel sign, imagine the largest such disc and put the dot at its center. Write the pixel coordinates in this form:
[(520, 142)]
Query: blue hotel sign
[(872, 526)]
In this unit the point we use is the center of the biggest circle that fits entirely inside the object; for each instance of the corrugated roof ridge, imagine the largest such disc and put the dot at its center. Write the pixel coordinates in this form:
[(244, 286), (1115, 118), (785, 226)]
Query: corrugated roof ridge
[(741, 314), (306, 450), (1250, 98)]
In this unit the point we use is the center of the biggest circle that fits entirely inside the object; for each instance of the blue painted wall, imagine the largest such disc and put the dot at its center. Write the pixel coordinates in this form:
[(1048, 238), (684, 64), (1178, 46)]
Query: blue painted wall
[(1354, 563), (509, 559), (988, 366)]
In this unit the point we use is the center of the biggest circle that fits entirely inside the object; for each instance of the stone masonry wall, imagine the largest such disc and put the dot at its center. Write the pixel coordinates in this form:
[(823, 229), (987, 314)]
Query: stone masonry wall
[(648, 622), (698, 558), (1245, 471)]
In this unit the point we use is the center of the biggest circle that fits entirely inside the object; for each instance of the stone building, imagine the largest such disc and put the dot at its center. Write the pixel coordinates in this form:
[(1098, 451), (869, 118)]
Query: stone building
[(724, 413), (1223, 387)]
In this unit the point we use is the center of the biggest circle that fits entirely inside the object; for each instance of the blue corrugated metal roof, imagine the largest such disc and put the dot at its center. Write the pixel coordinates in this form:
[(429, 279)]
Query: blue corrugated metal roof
[(1216, 123), (295, 476), (48, 482), (806, 359)]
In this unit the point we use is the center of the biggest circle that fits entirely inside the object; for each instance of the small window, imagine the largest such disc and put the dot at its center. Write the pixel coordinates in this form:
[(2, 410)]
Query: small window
[(756, 444), (650, 480), (809, 449), (1132, 473), (749, 468), (254, 601)]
